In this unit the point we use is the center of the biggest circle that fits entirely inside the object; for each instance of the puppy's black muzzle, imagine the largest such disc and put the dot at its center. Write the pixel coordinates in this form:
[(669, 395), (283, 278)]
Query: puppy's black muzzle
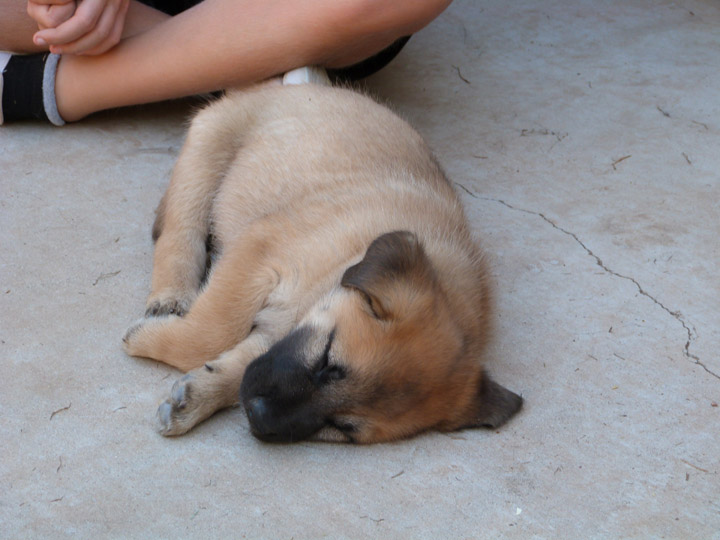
[(277, 392)]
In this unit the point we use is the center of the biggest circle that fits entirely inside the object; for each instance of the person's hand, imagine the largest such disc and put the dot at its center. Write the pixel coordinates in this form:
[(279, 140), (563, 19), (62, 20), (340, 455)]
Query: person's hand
[(94, 27), (50, 13)]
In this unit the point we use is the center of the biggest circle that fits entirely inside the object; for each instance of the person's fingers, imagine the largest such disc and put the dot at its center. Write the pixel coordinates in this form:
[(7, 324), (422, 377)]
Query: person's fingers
[(85, 19), (50, 2), (112, 32), (97, 35), (33, 5), (51, 15)]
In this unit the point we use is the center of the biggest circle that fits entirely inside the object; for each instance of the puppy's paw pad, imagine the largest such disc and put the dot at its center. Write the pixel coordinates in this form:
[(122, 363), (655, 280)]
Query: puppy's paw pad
[(175, 415), (164, 417), (180, 393)]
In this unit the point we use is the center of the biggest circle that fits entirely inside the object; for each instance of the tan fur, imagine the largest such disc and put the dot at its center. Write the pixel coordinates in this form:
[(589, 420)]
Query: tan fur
[(295, 183)]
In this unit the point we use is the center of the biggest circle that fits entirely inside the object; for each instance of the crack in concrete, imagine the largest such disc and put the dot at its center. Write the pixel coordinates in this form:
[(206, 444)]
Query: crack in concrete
[(677, 315)]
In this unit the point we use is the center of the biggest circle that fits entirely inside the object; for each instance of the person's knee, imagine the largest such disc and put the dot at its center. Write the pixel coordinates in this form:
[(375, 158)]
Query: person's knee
[(17, 29), (353, 30), (397, 17), (417, 14)]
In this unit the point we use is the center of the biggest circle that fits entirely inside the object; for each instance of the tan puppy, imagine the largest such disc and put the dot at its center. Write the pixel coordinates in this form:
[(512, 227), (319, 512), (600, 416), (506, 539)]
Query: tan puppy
[(341, 296)]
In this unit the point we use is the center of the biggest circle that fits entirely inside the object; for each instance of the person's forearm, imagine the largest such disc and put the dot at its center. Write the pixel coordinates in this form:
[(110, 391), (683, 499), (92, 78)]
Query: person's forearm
[(141, 18)]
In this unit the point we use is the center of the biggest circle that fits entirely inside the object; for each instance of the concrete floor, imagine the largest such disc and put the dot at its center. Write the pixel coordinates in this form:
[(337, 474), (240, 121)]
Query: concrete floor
[(583, 137)]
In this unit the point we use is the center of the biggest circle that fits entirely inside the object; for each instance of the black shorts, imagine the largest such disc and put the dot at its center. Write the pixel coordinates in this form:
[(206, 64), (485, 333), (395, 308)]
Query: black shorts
[(351, 73), (171, 7)]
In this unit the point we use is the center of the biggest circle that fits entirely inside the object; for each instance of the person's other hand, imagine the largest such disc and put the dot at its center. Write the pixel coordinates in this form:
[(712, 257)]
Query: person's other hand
[(50, 13), (94, 27)]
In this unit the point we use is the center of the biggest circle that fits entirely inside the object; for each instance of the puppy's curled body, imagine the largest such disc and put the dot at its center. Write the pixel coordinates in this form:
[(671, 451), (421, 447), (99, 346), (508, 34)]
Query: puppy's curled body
[(338, 242)]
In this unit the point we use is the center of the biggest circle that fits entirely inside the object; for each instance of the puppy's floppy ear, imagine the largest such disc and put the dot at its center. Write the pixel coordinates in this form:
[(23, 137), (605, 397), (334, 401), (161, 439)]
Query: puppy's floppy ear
[(493, 405), (393, 273)]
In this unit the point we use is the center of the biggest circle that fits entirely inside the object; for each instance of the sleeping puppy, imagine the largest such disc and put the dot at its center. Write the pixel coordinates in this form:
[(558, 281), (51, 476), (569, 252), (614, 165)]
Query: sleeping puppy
[(313, 263)]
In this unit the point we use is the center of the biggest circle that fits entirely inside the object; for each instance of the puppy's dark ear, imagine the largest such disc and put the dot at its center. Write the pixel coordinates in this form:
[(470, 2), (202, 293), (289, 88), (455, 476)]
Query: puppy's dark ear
[(394, 272), (494, 405)]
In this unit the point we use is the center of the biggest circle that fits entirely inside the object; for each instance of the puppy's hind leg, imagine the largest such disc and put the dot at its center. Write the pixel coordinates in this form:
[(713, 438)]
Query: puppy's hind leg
[(182, 225), (220, 317)]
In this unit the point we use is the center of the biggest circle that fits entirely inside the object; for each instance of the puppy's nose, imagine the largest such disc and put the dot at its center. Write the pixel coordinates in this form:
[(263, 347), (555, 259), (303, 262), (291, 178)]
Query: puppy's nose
[(257, 410)]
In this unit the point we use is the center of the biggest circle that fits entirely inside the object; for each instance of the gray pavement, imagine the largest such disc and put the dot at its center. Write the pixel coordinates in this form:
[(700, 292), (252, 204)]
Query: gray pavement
[(583, 137)]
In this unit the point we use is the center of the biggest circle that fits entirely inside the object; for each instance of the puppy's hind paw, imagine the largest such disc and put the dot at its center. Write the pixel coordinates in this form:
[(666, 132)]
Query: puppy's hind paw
[(160, 308)]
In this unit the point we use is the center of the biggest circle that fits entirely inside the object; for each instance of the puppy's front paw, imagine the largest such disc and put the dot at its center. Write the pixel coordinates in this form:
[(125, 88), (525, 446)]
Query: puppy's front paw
[(131, 335), (186, 406), (143, 337)]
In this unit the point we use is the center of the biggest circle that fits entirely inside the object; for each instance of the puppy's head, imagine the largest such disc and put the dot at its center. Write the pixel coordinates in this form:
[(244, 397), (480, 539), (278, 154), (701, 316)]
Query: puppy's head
[(383, 356)]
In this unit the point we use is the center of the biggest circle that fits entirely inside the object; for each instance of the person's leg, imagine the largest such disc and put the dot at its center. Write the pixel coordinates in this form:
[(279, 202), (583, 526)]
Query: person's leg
[(224, 43), (16, 28)]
